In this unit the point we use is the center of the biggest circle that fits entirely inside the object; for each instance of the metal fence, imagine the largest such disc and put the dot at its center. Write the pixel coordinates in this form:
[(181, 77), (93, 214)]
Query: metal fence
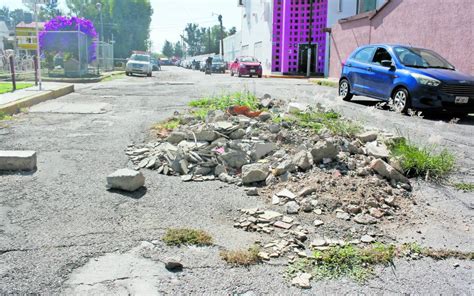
[(23, 66)]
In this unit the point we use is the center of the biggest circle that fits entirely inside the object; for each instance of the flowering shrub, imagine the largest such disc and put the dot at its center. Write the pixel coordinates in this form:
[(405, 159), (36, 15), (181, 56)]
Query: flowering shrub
[(52, 41)]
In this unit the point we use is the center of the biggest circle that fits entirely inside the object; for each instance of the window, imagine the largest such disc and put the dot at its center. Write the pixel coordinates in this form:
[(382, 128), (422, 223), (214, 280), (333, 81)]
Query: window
[(364, 55), (381, 55), (366, 5)]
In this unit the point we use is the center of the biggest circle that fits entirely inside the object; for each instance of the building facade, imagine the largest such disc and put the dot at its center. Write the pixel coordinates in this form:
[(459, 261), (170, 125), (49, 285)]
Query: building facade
[(256, 32), (443, 26), (292, 36), (232, 47), (26, 37)]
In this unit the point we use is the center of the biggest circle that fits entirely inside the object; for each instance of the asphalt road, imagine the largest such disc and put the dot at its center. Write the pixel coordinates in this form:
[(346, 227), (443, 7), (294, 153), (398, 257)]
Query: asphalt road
[(61, 232)]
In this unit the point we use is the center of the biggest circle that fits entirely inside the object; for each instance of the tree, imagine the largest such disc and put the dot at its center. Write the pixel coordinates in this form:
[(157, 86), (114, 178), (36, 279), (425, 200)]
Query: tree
[(127, 21), (50, 11), (168, 49), (193, 39), (13, 18), (205, 41), (178, 50)]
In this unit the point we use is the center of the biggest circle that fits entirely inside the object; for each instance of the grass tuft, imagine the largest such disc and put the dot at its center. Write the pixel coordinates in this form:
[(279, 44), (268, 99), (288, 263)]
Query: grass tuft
[(422, 162), (204, 105), (347, 261), (4, 116), (326, 83), (468, 187), (184, 236), (6, 87), (318, 120), (242, 257), (169, 124)]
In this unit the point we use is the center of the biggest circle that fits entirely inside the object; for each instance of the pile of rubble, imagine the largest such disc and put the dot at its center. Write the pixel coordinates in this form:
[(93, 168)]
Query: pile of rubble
[(316, 179), (243, 150)]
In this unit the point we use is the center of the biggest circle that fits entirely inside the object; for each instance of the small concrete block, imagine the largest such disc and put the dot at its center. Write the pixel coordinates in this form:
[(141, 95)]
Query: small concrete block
[(125, 179), (17, 160)]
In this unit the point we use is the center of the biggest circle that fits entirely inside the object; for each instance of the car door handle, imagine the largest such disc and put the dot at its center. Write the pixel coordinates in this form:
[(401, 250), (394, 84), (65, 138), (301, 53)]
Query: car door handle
[(349, 65), (369, 69)]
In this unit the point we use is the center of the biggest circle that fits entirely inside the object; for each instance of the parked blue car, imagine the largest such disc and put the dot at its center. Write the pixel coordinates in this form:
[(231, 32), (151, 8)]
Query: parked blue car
[(408, 78)]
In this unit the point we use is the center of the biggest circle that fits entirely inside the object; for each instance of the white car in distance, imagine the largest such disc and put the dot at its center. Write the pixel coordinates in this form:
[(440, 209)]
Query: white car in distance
[(139, 64)]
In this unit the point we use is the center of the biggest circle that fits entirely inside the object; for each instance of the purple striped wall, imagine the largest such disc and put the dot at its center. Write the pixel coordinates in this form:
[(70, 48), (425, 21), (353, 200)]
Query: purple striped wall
[(291, 19)]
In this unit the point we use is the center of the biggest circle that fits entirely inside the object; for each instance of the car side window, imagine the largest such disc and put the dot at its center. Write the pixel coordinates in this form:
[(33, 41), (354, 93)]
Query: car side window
[(364, 55), (381, 55)]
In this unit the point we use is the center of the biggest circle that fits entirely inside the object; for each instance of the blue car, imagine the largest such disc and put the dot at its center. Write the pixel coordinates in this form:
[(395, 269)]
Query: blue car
[(407, 78)]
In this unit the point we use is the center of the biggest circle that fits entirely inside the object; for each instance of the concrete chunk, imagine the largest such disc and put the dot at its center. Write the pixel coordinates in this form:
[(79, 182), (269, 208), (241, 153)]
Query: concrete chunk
[(17, 160), (125, 179)]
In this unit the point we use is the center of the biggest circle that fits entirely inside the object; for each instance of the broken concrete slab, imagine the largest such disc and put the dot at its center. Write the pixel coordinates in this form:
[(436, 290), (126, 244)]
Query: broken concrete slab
[(322, 150), (125, 179), (255, 172), (17, 160), (369, 136), (387, 171), (377, 150)]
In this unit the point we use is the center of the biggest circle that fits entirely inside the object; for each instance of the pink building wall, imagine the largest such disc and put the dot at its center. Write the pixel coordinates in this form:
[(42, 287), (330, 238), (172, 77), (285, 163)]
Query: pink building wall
[(445, 26)]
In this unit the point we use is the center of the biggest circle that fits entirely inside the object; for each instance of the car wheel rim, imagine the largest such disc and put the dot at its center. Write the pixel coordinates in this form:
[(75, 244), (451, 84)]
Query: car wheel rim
[(344, 89), (400, 101)]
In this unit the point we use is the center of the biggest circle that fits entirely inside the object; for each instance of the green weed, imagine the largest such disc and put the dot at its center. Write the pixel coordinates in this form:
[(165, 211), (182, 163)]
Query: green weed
[(317, 120), (184, 236), (4, 116), (169, 124), (347, 261), (225, 101), (422, 162), (468, 187)]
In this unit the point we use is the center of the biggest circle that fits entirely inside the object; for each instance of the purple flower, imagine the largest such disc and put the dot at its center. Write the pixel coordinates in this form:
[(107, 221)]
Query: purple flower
[(50, 39)]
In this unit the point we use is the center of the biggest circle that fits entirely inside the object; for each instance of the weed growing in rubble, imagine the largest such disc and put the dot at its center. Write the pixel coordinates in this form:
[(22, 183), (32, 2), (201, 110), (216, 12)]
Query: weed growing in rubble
[(4, 116), (468, 187), (242, 257), (169, 124), (225, 101), (347, 261), (422, 162), (184, 236), (333, 121)]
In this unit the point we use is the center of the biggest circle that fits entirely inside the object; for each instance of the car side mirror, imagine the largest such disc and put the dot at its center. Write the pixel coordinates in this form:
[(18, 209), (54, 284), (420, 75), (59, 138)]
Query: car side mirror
[(387, 63)]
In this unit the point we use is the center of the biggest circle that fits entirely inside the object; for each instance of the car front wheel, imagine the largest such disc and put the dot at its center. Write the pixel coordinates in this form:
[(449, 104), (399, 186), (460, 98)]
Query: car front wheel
[(401, 101), (345, 90)]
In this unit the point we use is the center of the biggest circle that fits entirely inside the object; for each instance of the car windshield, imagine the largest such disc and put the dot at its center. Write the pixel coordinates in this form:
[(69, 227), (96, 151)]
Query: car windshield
[(421, 58), (217, 60), (140, 58), (248, 59)]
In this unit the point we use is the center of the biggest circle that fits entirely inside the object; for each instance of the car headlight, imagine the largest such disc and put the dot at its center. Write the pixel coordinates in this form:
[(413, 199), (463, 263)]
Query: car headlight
[(425, 80)]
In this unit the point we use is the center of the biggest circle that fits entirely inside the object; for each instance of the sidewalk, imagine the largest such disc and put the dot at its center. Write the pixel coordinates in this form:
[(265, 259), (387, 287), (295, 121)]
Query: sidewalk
[(12, 102)]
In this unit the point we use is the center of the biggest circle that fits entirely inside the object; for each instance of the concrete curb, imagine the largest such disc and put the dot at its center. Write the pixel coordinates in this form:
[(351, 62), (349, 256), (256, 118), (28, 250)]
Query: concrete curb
[(285, 76), (14, 107), (84, 80)]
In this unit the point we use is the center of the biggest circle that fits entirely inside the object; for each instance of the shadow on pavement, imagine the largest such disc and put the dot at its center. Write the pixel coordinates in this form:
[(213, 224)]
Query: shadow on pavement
[(433, 116), (134, 195)]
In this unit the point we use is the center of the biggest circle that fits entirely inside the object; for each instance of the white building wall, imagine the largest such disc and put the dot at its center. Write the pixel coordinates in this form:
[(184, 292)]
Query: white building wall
[(232, 47), (257, 25), (339, 9), (4, 32)]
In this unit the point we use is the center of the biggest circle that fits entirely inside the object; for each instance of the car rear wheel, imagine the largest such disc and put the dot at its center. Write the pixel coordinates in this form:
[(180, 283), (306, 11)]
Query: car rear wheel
[(345, 90), (231, 73), (240, 74), (401, 101)]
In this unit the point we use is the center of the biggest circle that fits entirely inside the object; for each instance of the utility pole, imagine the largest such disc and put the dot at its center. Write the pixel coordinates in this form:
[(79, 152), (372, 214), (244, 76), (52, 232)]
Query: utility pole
[(38, 54), (222, 35), (101, 38), (209, 35), (310, 36)]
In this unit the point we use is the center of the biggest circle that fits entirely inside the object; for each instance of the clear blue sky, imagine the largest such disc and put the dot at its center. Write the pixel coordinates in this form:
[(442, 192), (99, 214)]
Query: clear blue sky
[(171, 16)]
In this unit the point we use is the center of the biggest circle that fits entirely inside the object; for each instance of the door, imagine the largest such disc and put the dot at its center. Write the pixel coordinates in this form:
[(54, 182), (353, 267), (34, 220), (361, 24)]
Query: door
[(303, 58), (381, 80), (361, 69)]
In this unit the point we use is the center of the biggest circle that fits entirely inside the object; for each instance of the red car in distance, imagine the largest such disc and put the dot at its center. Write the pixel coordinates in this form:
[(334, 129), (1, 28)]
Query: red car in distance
[(246, 65)]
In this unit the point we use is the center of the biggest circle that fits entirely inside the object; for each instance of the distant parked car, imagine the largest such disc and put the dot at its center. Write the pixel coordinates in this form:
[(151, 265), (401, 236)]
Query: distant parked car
[(139, 64), (408, 77), (156, 65), (246, 66), (218, 65)]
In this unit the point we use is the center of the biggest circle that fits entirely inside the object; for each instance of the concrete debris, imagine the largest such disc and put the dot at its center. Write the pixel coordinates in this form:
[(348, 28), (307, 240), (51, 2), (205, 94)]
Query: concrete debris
[(285, 193), (17, 160), (255, 172), (125, 179), (377, 150), (322, 150), (368, 136), (387, 171), (292, 208), (302, 280)]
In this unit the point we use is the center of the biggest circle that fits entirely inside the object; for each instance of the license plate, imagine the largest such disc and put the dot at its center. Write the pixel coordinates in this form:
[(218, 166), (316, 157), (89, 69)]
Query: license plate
[(253, 71), (461, 100)]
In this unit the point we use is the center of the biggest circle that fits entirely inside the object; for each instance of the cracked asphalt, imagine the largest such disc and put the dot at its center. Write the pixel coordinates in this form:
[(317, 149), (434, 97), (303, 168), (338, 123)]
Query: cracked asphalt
[(61, 232)]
